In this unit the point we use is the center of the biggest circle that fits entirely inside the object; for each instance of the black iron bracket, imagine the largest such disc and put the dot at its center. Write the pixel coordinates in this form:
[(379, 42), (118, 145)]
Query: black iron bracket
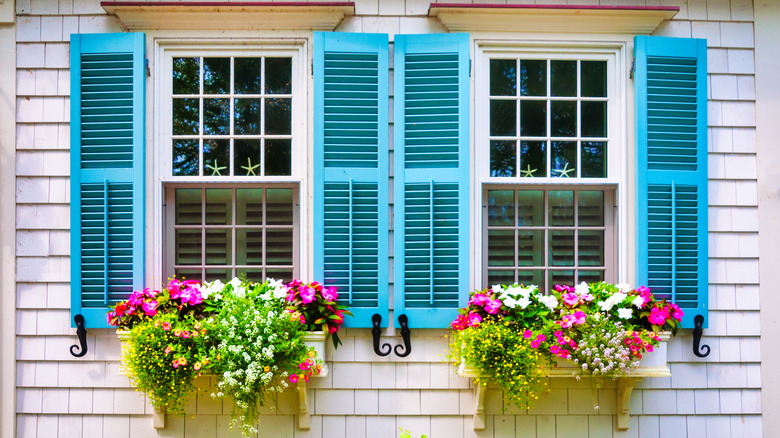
[(376, 319), (699, 349), (81, 332), (406, 334)]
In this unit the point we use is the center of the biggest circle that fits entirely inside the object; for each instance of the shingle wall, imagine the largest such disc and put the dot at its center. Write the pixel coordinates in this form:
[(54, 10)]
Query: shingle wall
[(366, 396)]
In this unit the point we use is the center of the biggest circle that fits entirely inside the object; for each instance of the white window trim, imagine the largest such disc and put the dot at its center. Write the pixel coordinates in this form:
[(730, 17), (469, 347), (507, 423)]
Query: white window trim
[(618, 133), (159, 136)]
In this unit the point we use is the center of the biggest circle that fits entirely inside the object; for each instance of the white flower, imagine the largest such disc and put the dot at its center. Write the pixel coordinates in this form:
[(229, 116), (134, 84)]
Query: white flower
[(211, 288), (550, 301), (523, 302), (618, 297), (509, 302), (623, 287), (625, 313), (513, 290), (274, 284), (638, 302), (497, 288), (581, 288)]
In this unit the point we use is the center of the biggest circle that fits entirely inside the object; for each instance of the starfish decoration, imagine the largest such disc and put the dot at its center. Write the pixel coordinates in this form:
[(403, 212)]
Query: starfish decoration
[(250, 169), (565, 171), (215, 168), (528, 172)]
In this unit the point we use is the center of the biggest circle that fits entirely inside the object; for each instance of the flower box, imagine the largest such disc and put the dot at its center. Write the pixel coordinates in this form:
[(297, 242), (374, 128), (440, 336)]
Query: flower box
[(651, 365)]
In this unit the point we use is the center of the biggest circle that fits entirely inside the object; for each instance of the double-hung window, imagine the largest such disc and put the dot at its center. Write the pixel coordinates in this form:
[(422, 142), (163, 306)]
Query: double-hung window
[(232, 162), (549, 164)]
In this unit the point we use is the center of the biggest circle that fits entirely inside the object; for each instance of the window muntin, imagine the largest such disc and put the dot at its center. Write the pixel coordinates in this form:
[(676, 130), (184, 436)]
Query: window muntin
[(548, 235), (218, 232), (548, 118), (231, 116)]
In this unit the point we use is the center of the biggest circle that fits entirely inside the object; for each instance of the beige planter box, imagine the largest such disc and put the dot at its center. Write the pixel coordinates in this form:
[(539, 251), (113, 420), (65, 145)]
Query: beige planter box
[(651, 365)]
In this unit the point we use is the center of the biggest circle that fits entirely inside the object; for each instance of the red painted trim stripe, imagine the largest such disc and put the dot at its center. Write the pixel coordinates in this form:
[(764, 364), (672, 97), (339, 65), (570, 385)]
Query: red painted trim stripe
[(225, 4), (562, 7)]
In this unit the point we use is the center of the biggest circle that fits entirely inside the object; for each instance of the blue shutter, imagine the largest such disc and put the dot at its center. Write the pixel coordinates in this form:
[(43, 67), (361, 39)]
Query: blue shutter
[(671, 110), (431, 148), (107, 171), (351, 167)]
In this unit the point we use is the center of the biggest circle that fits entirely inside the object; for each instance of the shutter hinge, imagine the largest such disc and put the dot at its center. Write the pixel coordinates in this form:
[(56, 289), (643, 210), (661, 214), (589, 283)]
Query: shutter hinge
[(148, 71), (312, 67), (633, 68), (469, 67)]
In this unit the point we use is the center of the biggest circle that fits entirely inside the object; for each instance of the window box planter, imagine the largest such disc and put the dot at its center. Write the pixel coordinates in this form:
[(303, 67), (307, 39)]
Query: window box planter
[(315, 339), (651, 365)]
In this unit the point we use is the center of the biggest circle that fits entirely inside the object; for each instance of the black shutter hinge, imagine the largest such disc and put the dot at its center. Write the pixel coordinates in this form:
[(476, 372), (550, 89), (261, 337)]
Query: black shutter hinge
[(469, 67), (148, 71), (633, 68)]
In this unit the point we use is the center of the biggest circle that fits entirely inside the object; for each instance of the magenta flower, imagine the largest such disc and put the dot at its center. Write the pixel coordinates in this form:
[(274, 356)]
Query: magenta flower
[(307, 294), (571, 299), (536, 343), (185, 334), (677, 313), (479, 300), (527, 334), (658, 316), (168, 349), (541, 338), (150, 308), (493, 306), (474, 319), (555, 349), (460, 323), (305, 365), (293, 378), (580, 317), (330, 294), (166, 326), (567, 321)]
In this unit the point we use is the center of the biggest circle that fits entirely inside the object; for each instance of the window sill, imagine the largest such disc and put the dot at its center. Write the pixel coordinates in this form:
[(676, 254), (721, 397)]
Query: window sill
[(145, 15), (551, 18)]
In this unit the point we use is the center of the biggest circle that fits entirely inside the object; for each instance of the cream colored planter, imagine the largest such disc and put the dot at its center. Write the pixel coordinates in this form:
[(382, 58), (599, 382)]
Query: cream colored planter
[(651, 365)]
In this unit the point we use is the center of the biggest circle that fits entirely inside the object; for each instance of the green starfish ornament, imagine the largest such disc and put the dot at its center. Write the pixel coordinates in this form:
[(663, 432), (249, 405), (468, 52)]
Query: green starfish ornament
[(565, 171), (527, 173), (250, 169), (215, 168)]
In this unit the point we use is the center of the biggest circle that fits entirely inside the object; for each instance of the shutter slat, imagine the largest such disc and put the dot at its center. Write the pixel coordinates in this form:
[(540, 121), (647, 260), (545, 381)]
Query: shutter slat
[(672, 171), (107, 208)]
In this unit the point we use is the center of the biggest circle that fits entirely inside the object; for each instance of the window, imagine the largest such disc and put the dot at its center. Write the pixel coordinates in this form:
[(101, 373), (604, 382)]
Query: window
[(548, 165), (230, 187)]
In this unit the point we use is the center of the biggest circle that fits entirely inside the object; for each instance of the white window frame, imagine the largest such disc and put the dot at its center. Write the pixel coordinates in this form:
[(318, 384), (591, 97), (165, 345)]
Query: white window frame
[(618, 147), (160, 146)]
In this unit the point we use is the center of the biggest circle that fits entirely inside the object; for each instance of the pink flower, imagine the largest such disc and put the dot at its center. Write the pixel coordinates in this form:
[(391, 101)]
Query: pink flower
[(166, 326), (339, 317), (493, 306), (305, 365), (177, 332), (555, 349), (658, 316), (332, 328), (150, 308), (567, 321), (176, 363), (541, 338), (197, 366), (194, 333), (571, 299), (644, 292), (460, 323), (587, 297), (527, 334), (677, 313), (535, 343), (168, 349), (120, 309), (474, 319), (185, 334), (109, 317), (479, 300), (580, 317), (558, 333), (563, 353), (330, 294), (293, 378), (307, 294)]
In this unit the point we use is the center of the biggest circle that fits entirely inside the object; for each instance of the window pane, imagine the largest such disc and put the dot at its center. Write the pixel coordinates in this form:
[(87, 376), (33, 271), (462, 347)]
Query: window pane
[(278, 116), (285, 275), (561, 204), (188, 274), (561, 248), (279, 205), (218, 247), (501, 207), (501, 251), (223, 275), (185, 116), (278, 157), (254, 275), (533, 77), (249, 247), (500, 277), (216, 116), (564, 159), (530, 248), (246, 157), (590, 248), (219, 206), (590, 208), (185, 157), (216, 75), (247, 75), (503, 77), (530, 208), (188, 247), (247, 117), (594, 159), (533, 159), (279, 247), (186, 76), (535, 277), (563, 122), (590, 276), (278, 75), (533, 118), (249, 206), (594, 119), (216, 157), (188, 207), (503, 118), (564, 78), (503, 158), (561, 277), (594, 78)]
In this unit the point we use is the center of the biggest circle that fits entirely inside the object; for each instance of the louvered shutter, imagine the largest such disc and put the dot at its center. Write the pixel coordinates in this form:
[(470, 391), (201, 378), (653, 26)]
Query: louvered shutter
[(431, 193), (671, 109), (107, 171), (351, 167)]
